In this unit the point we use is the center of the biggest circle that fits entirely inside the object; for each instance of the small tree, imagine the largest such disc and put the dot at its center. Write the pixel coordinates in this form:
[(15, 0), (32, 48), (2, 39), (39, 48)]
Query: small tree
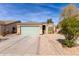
[(49, 21), (70, 28), (70, 11)]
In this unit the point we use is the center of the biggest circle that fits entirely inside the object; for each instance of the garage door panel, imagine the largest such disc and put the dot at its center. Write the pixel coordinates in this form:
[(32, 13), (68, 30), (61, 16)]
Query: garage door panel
[(30, 30)]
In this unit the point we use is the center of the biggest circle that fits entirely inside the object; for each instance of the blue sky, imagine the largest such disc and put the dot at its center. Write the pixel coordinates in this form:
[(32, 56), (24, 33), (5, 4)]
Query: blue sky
[(31, 12)]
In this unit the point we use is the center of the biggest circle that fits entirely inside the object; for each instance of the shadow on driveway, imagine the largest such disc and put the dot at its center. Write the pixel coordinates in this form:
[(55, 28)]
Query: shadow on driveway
[(61, 41)]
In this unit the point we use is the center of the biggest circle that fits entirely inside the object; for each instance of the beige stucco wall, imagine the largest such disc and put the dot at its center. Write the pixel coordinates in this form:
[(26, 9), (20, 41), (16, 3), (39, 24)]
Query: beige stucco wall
[(1, 29), (48, 26), (46, 31), (18, 29), (7, 29)]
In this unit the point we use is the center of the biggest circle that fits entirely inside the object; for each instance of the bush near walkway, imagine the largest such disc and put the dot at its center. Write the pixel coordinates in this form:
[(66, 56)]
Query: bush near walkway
[(70, 24), (69, 43), (70, 29)]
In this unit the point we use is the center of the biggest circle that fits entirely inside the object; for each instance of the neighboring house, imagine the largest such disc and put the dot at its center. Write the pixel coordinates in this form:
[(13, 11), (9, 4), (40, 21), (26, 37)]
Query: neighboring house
[(8, 27), (27, 28), (32, 28)]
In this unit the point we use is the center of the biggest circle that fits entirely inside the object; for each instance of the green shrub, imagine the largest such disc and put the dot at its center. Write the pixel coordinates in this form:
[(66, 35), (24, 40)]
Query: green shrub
[(70, 29), (50, 30), (69, 43)]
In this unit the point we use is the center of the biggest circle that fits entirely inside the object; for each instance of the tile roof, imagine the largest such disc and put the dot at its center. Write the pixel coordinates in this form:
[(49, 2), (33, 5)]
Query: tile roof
[(5, 22), (33, 23)]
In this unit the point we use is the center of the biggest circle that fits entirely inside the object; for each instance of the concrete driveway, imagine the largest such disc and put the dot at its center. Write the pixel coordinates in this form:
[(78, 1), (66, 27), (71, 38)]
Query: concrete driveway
[(38, 45), (19, 45)]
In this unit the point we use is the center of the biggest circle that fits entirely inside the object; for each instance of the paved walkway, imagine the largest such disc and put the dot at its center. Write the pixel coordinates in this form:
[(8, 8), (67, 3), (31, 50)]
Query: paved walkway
[(43, 45), (51, 46)]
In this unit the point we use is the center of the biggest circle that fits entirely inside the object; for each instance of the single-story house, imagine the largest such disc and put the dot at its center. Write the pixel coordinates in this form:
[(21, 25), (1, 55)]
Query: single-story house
[(8, 27), (26, 28), (33, 28)]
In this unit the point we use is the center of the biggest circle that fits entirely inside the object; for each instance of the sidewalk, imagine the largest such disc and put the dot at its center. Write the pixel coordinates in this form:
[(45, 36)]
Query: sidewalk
[(50, 46)]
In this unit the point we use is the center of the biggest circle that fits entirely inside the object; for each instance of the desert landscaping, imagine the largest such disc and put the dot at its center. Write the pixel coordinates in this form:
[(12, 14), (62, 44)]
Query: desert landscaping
[(42, 38)]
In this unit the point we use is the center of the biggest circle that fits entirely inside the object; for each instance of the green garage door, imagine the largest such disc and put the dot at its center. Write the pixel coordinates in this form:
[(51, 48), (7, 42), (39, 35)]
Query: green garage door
[(30, 31)]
